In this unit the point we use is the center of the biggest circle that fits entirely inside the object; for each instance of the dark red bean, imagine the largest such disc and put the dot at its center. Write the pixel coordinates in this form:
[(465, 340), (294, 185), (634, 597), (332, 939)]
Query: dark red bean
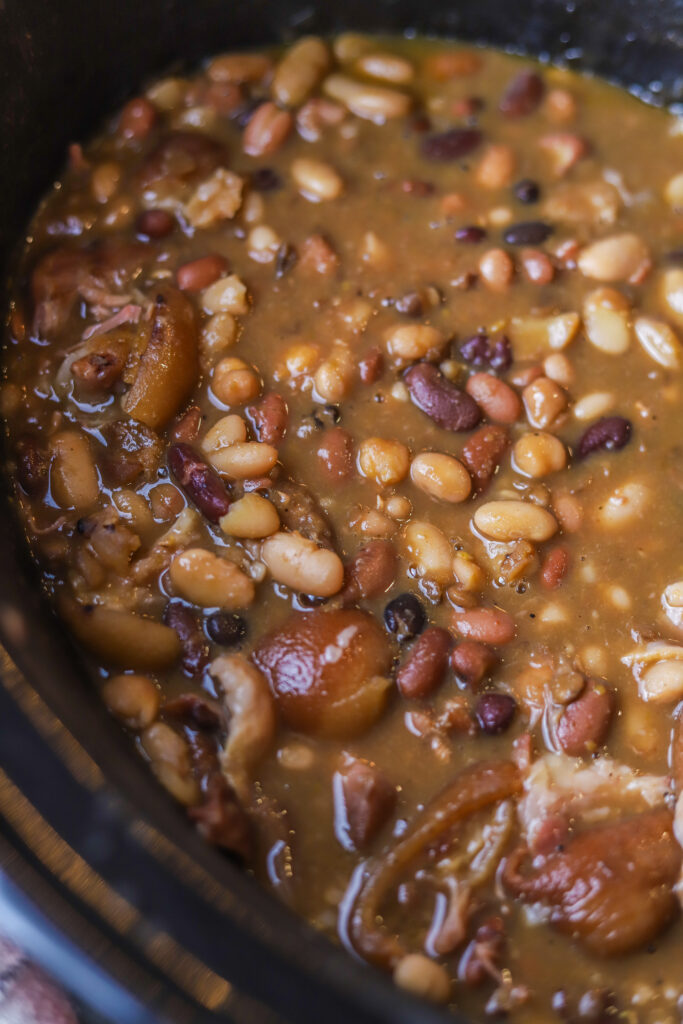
[(450, 145), (404, 616), (265, 179), (195, 653), (225, 628), (472, 661), (186, 428), (527, 191), (529, 232), (584, 723), (479, 350), (426, 663), (269, 418), (155, 224), (608, 434), (371, 571), (494, 712), (472, 233), (522, 95), (442, 401), (501, 354), (200, 482)]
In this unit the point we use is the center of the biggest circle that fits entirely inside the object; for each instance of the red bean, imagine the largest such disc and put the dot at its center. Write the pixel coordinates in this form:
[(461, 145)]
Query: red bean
[(487, 625), (187, 427), (554, 567), (200, 482), (199, 274), (269, 418), (471, 234), (522, 95), (450, 145), (371, 571), (426, 663), (500, 403), (494, 712), (482, 453), (371, 366), (472, 661), (608, 434), (335, 454), (155, 223), (434, 394), (367, 801), (584, 723)]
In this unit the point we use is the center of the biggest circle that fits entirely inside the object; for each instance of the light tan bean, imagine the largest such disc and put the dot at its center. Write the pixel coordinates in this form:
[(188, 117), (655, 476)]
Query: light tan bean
[(73, 476), (515, 520), (606, 321), (120, 637), (204, 579), (539, 454), (659, 341), (105, 181), (623, 257), (239, 67), (387, 67), (496, 269), (301, 565), (673, 192), (252, 516), (500, 403), (544, 400), (169, 755), (422, 977), (624, 506), (596, 404), (134, 699), (218, 334), (334, 377), (317, 181), (497, 166), (350, 45), (428, 548), (263, 244), (671, 286), (411, 342), (227, 295), (384, 461), (558, 368), (228, 430), (233, 382), (441, 476), (371, 102), (244, 459), (533, 335), (468, 574), (300, 71), (134, 509)]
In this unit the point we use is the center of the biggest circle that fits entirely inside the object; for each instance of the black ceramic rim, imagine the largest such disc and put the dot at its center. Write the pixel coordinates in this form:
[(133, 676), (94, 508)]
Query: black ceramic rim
[(124, 899)]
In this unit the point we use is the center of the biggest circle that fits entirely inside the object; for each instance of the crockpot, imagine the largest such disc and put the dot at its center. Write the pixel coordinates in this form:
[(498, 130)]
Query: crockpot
[(103, 878)]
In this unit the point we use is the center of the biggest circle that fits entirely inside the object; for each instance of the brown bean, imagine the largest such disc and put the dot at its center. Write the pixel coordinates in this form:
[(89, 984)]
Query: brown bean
[(487, 625), (364, 802), (335, 454), (371, 571), (137, 119), (554, 567), (200, 482), (267, 130), (426, 663), (199, 274), (269, 418), (482, 453), (584, 723), (500, 403), (472, 661)]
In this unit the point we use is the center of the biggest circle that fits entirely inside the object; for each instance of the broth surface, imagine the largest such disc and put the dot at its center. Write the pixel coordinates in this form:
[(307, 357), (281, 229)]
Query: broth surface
[(356, 366)]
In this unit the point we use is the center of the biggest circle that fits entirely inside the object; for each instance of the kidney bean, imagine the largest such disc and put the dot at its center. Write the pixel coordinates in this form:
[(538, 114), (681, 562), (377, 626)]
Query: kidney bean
[(608, 434), (482, 453), (487, 625), (265, 179), (335, 454), (426, 663), (371, 571), (199, 274), (584, 723), (527, 191), (522, 95), (155, 223), (225, 628), (554, 567), (195, 653), (494, 712), (33, 464), (268, 417), (187, 427), (404, 616), (529, 232), (500, 403), (472, 233), (472, 661), (442, 401), (200, 482), (371, 366), (367, 798), (450, 145)]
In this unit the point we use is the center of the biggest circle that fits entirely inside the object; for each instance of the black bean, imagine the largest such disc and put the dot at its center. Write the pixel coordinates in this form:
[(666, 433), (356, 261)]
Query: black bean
[(527, 191), (494, 712), (476, 350), (442, 401), (410, 304), (501, 354), (608, 434), (404, 616), (450, 145), (471, 233), (225, 628), (522, 95), (529, 232), (200, 482), (265, 179)]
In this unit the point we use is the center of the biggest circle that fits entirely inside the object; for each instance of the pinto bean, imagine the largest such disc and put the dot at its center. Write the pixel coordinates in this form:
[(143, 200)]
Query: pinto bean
[(485, 625), (155, 223), (200, 482), (371, 366), (442, 401), (371, 571), (195, 651), (269, 418), (500, 403), (584, 723), (199, 274), (364, 801), (472, 661), (483, 452), (426, 663)]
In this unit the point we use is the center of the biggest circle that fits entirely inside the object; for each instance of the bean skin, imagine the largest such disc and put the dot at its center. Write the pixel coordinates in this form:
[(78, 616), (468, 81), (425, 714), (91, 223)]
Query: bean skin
[(494, 712), (608, 434), (450, 145), (200, 482), (522, 95), (442, 401), (426, 663)]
